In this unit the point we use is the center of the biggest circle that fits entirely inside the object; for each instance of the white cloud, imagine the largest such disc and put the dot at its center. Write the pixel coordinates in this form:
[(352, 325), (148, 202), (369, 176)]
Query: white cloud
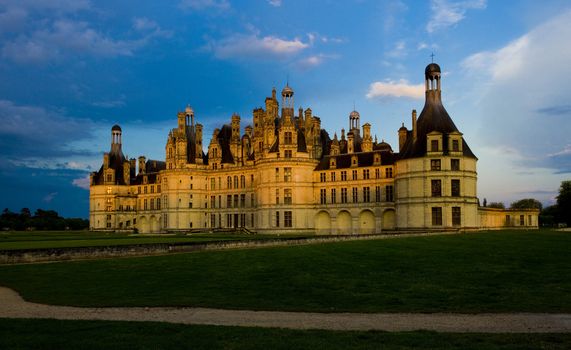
[(522, 93), (398, 51), (391, 88), (445, 13), (65, 36), (504, 63), (82, 182), (314, 60), (275, 3), (205, 4), (50, 197), (253, 46)]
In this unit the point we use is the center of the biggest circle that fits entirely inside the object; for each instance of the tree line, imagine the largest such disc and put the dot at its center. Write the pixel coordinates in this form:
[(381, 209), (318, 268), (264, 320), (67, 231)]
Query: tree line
[(41, 220), (559, 213)]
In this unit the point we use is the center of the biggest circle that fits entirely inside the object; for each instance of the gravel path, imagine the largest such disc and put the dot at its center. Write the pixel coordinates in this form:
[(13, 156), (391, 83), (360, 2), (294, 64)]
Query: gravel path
[(13, 306)]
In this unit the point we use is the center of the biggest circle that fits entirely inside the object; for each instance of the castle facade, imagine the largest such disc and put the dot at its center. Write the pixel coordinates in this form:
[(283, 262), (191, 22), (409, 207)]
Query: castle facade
[(286, 174)]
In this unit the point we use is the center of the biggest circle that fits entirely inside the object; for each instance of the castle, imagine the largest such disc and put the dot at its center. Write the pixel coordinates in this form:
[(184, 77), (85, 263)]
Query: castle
[(286, 174)]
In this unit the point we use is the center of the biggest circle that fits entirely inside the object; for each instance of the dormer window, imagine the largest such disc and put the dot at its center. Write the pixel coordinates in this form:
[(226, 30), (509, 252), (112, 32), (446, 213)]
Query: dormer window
[(288, 140), (434, 146), (455, 146)]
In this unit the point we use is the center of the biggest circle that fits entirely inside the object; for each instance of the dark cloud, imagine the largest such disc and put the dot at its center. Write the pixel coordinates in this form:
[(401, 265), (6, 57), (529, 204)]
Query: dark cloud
[(555, 110), (28, 131)]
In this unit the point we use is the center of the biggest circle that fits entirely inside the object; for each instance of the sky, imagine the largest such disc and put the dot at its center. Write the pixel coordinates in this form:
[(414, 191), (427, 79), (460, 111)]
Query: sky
[(71, 69)]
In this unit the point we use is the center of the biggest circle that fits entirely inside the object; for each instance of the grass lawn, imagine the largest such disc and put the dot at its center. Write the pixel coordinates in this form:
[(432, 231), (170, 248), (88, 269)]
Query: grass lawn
[(53, 334), (503, 271), (64, 239)]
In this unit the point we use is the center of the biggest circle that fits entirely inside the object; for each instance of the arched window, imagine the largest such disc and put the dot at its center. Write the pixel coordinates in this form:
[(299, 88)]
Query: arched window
[(229, 182), (243, 181), (235, 181)]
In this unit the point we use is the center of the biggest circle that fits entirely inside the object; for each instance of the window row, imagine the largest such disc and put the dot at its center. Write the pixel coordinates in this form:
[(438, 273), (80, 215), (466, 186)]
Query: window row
[(436, 188), (436, 164), (288, 219), (145, 189), (365, 175), (366, 193), (437, 216)]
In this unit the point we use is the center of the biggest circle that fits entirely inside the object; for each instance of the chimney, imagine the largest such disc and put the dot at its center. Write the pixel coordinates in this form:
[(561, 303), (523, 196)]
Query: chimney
[(414, 125), (142, 160), (403, 132)]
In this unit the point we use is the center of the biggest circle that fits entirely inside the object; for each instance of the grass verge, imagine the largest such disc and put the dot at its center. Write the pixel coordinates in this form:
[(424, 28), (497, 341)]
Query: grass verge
[(505, 271), (55, 334)]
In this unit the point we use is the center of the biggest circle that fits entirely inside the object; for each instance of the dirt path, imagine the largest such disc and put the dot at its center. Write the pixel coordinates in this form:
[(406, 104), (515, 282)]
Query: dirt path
[(13, 306)]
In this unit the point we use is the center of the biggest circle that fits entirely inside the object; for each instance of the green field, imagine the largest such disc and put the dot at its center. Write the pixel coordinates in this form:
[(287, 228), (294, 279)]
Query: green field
[(67, 239), (53, 334), (504, 271)]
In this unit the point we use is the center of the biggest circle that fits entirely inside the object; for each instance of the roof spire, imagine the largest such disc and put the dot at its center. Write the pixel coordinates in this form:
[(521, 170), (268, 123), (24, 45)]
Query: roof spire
[(432, 57)]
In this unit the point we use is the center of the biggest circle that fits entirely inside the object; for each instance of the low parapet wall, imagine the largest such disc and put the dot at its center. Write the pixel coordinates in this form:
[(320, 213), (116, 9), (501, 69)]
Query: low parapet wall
[(78, 253), (495, 218)]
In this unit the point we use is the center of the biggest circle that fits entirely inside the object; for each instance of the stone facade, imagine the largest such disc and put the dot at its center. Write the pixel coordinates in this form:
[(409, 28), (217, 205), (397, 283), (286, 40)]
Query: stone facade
[(286, 174)]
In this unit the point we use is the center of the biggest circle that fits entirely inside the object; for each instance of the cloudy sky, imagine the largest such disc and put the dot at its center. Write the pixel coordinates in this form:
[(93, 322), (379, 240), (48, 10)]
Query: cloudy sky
[(70, 69)]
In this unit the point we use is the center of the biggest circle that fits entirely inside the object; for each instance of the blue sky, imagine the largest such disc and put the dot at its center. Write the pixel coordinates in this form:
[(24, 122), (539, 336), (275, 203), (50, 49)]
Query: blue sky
[(70, 69)]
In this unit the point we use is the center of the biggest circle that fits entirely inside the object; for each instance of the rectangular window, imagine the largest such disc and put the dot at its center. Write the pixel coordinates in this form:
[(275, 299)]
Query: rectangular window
[(219, 201), (152, 203), (145, 188), (322, 177), (229, 182), (212, 220), (242, 200), (389, 173), (235, 201), (229, 201), (455, 188), (152, 189), (277, 174), (456, 216), (145, 205), (333, 196), (228, 220), (366, 194), (212, 202), (435, 164), (277, 196), (436, 216), (389, 193), (323, 196), (436, 188), (434, 146), (288, 153), (158, 188), (277, 219), (455, 146), (252, 201), (521, 220), (455, 164), (343, 195), (355, 195), (288, 140), (365, 174), (343, 176), (354, 174), (287, 174), (288, 222), (287, 196), (377, 193), (333, 176), (158, 203), (377, 173), (212, 183)]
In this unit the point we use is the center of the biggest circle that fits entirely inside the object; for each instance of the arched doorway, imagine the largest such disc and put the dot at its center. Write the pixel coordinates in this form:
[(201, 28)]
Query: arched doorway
[(154, 224), (323, 223), (388, 222), (366, 222), (143, 225), (344, 223)]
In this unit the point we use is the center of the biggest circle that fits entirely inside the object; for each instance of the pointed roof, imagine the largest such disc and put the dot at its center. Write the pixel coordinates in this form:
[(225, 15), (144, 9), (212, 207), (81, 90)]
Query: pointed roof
[(433, 117)]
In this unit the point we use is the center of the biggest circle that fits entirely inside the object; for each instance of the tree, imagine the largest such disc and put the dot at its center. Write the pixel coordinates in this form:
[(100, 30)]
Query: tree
[(497, 205), (564, 202), (485, 202), (528, 203)]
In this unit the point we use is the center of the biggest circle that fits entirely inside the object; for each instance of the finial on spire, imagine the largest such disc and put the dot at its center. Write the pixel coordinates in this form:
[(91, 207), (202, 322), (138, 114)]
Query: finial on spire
[(432, 57)]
